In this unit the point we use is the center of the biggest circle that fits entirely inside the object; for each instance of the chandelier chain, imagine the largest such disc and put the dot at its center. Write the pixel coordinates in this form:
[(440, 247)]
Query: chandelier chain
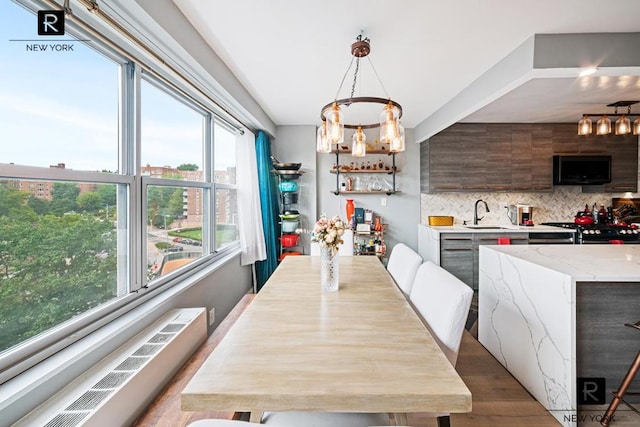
[(355, 77)]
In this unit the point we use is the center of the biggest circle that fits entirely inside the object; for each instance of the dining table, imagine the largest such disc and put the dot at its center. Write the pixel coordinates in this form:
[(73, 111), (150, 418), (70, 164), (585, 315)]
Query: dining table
[(296, 347)]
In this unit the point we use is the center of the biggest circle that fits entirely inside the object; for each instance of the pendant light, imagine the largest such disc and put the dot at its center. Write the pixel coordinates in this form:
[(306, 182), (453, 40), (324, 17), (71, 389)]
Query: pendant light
[(388, 124), (397, 145), (332, 113), (359, 143), (585, 126), (335, 124), (603, 126), (623, 125), (322, 142)]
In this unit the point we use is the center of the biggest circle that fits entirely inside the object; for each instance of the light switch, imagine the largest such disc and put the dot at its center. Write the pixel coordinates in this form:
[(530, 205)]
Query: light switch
[(383, 201)]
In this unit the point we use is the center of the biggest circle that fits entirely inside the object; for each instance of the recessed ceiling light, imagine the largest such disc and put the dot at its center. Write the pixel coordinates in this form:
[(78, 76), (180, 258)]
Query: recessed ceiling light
[(587, 71)]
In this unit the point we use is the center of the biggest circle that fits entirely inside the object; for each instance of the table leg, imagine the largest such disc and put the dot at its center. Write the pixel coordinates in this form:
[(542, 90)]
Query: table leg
[(255, 417), (444, 421), (400, 419)]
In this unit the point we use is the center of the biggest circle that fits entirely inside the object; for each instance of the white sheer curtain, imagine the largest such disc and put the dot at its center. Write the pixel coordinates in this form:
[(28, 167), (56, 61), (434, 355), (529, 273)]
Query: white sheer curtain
[(249, 212)]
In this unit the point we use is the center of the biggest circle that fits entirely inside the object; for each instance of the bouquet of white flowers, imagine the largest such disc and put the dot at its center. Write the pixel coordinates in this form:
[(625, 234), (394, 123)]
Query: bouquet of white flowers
[(328, 232)]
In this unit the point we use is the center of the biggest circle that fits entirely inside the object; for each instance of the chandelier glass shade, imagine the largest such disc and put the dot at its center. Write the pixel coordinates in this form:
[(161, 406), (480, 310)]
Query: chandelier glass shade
[(622, 125), (322, 142), (359, 143), (333, 114), (603, 126)]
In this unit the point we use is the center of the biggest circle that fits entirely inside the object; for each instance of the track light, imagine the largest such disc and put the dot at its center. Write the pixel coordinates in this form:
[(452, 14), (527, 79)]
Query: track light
[(622, 126)]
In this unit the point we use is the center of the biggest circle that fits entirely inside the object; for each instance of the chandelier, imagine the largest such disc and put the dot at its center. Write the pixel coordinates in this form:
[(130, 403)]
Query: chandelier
[(331, 130), (622, 126)]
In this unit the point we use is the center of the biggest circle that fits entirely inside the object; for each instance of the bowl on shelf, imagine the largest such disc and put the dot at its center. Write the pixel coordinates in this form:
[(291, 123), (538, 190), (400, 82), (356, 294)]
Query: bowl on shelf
[(289, 240), (289, 216), (290, 226)]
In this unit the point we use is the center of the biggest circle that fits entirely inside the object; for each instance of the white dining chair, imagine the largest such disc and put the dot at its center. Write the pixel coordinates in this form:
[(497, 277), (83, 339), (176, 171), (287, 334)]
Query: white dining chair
[(324, 419), (403, 264), (443, 302)]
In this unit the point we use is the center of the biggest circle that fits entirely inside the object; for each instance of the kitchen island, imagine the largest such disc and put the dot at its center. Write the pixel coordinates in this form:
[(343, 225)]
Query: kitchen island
[(554, 314)]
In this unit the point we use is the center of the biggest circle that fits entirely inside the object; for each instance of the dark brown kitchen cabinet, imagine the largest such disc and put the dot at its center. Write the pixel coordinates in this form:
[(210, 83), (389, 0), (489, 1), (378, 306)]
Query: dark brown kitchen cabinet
[(456, 255), (518, 157), (459, 252), (488, 157)]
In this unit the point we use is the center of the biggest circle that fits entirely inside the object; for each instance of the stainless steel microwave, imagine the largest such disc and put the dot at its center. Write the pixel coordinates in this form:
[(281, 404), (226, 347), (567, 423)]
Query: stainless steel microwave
[(581, 170)]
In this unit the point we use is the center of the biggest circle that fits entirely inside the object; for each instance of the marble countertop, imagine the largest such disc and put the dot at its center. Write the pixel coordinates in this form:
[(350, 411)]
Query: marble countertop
[(503, 229), (593, 263)]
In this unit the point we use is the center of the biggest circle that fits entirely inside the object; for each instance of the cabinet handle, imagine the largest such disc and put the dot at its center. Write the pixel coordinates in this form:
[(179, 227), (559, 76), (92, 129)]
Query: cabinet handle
[(458, 239), (457, 249)]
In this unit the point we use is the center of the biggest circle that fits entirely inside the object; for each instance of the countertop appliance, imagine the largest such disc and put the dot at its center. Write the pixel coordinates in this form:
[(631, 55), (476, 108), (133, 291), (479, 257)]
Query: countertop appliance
[(600, 233), (520, 214)]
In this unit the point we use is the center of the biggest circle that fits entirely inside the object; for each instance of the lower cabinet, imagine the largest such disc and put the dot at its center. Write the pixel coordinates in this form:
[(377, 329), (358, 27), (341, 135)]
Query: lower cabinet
[(456, 255), (459, 252)]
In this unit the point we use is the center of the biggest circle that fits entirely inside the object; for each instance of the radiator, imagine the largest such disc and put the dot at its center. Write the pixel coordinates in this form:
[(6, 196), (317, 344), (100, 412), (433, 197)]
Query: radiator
[(116, 390)]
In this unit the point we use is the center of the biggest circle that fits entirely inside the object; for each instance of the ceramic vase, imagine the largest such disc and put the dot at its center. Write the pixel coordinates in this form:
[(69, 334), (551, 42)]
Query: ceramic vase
[(350, 207)]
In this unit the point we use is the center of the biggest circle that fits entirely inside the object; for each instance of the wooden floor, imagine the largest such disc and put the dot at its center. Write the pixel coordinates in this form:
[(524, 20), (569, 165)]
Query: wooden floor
[(498, 399)]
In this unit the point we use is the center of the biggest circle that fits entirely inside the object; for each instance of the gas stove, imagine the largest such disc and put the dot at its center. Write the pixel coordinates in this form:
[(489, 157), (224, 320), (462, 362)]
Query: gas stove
[(600, 233)]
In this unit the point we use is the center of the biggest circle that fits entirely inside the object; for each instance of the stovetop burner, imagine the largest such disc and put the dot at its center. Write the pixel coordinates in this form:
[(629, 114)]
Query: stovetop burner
[(595, 233)]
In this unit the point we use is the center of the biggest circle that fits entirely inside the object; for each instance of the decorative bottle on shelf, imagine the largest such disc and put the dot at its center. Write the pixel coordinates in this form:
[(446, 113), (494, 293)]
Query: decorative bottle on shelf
[(350, 209), (378, 224)]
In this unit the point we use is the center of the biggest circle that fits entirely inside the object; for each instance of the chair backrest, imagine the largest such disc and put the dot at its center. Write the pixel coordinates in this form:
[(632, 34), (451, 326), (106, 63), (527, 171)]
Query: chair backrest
[(403, 264), (443, 301)]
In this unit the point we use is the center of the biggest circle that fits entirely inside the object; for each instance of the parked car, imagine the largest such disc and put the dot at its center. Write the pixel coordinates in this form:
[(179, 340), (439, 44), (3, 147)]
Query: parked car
[(175, 248), (177, 239)]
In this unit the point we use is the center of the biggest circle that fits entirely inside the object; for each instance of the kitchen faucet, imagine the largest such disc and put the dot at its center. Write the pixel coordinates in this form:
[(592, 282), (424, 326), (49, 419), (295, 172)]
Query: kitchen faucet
[(475, 211)]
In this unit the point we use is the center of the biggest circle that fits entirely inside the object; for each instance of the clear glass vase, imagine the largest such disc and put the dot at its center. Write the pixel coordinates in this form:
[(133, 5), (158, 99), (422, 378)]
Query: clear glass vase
[(329, 270)]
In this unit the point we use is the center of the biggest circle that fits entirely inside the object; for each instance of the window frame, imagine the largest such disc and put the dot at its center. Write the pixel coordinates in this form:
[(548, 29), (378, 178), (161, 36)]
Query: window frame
[(131, 194)]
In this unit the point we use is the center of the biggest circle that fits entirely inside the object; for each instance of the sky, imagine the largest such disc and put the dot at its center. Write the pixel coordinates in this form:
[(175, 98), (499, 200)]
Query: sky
[(62, 106)]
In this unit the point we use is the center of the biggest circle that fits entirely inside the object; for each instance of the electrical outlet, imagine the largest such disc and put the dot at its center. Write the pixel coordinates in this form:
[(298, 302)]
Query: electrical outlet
[(212, 316), (383, 201)]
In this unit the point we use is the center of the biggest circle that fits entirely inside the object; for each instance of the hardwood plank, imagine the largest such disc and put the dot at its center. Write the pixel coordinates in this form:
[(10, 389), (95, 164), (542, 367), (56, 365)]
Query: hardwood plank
[(165, 410)]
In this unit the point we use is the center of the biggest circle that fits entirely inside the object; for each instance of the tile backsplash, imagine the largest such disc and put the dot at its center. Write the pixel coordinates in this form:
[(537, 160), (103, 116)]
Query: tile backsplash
[(559, 205)]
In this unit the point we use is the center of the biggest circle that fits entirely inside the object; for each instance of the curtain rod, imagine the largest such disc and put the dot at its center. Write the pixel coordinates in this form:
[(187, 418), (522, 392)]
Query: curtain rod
[(94, 8)]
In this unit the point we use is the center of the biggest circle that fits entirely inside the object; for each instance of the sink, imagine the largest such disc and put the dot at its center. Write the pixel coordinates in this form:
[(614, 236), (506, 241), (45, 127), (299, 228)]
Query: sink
[(487, 227)]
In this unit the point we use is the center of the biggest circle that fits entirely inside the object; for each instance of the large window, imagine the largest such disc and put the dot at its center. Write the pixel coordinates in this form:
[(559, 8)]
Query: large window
[(113, 181)]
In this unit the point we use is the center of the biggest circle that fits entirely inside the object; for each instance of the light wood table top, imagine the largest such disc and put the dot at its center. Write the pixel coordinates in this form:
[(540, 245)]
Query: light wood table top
[(296, 348)]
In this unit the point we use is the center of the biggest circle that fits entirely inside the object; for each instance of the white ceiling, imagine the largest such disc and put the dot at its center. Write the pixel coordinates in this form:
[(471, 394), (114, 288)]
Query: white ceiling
[(291, 55)]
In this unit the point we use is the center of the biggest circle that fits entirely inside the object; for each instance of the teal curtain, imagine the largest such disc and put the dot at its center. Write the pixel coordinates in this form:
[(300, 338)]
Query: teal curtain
[(270, 209)]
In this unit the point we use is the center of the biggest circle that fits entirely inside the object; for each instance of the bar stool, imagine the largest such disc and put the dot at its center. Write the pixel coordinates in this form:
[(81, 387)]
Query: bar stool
[(618, 395)]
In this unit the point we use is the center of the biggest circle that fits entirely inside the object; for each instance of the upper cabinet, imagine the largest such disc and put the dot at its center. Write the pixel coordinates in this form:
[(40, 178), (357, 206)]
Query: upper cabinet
[(517, 157)]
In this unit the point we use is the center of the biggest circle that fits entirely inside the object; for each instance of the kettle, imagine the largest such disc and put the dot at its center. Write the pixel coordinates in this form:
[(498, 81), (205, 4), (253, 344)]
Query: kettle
[(583, 218)]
